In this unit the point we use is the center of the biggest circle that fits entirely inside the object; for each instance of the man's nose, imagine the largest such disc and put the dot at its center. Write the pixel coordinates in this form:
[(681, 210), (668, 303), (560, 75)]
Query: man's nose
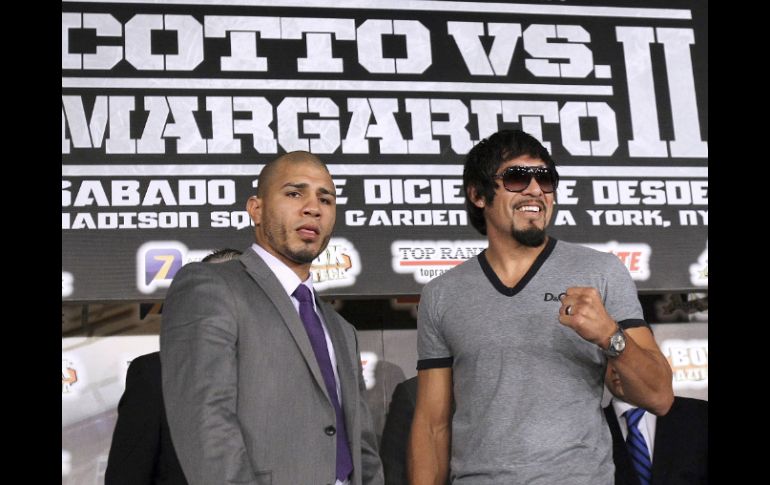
[(533, 188)]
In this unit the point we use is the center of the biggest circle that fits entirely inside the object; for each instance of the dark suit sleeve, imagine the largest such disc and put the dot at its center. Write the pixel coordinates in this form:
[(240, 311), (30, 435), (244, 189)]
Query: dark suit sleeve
[(135, 442), (371, 473), (681, 444), (395, 435), (198, 340), (624, 470)]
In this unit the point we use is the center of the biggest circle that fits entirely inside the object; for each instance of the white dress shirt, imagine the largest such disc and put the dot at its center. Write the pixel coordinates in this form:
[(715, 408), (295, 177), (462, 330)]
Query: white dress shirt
[(289, 280), (646, 424)]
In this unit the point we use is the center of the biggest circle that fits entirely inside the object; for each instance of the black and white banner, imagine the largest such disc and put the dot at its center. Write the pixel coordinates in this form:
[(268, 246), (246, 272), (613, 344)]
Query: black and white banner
[(171, 108)]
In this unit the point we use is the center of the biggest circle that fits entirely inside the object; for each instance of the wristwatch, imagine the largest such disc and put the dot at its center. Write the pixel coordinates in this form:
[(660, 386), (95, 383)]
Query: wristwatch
[(617, 343)]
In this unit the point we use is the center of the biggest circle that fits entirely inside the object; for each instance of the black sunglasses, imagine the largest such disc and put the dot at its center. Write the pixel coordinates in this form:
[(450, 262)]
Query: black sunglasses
[(518, 178)]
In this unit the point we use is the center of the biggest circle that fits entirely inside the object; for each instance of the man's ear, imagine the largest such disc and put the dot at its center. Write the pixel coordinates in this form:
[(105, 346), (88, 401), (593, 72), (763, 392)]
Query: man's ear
[(254, 208), (474, 196)]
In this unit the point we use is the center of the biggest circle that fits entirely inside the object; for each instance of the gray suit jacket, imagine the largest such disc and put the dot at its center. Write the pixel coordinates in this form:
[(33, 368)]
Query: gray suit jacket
[(244, 395)]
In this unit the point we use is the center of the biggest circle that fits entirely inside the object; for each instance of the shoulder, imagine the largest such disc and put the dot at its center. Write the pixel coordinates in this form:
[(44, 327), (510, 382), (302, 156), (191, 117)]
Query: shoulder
[(407, 388), (146, 361), (144, 373), (192, 272), (455, 277), (688, 412), (142, 366), (688, 417), (206, 277), (587, 253), (222, 268), (582, 259), (688, 405)]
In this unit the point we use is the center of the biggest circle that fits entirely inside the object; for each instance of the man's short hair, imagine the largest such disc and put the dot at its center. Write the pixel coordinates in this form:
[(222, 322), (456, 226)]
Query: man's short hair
[(221, 255), (298, 156), (485, 158)]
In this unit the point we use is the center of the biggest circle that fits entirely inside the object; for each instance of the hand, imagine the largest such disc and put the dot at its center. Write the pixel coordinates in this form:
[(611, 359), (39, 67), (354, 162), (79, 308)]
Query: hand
[(587, 315)]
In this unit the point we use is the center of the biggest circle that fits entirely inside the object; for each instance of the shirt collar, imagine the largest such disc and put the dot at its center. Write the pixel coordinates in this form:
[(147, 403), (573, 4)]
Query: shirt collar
[(288, 278), (620, 407)]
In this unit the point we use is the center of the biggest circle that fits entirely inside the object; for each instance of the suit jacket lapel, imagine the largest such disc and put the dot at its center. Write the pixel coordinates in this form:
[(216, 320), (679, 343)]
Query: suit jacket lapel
[(666, 443), (346, 371), (624, 469), (266, 279)]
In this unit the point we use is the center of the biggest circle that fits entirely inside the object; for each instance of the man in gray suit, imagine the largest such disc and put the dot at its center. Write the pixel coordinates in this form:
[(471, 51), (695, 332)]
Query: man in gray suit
[(253, 394)]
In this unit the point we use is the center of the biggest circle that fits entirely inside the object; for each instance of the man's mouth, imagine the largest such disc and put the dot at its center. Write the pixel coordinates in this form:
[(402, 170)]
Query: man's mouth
[(530, 207), (308, 231)]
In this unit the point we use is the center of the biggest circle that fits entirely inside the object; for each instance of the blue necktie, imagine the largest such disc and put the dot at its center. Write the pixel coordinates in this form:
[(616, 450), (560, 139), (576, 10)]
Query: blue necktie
[(637, 448), (344, 462)]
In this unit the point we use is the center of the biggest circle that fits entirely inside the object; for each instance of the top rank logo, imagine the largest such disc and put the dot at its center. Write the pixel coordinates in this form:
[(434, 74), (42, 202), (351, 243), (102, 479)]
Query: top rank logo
[(636, 257), (428, 259)]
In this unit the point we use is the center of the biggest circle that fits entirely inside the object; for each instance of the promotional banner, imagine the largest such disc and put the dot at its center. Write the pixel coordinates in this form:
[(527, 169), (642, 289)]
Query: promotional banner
[(171, 108)]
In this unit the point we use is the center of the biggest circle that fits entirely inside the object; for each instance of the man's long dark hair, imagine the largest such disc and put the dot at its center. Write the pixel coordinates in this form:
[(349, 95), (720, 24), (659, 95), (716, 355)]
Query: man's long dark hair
[(485, 158)]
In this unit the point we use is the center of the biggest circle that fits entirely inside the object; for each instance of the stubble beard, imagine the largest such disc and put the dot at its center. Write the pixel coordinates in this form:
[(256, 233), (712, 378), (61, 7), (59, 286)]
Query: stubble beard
[(303, 255)]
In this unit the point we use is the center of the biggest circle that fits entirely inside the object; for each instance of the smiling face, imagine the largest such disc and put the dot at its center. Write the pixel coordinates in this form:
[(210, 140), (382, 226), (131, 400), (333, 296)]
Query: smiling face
[(295, 213), (523, 215)]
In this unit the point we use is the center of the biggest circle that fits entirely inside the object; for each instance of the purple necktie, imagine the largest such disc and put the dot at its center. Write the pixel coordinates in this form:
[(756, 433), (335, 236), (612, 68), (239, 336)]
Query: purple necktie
[(315, 332)]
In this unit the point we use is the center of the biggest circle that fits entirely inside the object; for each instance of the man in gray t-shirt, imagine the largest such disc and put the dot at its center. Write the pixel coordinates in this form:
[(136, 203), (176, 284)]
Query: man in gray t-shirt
[(518, 338)]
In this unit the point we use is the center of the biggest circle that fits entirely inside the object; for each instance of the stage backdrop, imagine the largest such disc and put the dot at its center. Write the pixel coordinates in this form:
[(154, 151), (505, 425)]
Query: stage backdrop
[(170, 110)]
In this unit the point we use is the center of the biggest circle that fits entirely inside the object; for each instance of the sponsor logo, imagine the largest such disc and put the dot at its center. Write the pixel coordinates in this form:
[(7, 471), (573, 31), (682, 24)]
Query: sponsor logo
[(689, 360), (552, 297), (369, 365), (67, 284), (157, 262), (427, 259), (338, 265), (69, 376), (699, 272), (636, 256)]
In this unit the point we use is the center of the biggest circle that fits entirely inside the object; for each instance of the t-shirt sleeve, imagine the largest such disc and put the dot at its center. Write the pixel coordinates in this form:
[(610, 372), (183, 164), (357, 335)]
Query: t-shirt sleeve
[(432, 349), (620, 295)]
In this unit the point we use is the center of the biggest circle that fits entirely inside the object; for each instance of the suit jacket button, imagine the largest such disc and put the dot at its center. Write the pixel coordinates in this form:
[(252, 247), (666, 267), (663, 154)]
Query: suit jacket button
[(329, 430)]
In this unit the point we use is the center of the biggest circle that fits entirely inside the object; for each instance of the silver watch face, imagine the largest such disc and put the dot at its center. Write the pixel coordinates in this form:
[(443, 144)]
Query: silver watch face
[(618, 341), (617, 344)]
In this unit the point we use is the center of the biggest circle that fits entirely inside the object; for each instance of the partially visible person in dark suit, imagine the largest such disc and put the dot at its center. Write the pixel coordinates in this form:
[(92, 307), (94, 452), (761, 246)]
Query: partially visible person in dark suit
[(395, 434), (142, 452), (677, 441)]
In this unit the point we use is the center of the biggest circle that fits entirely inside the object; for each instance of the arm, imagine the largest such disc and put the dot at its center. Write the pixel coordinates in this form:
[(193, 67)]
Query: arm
[(428, 453), (644, 372), (641, 366), (135, 442), (200, 387)]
